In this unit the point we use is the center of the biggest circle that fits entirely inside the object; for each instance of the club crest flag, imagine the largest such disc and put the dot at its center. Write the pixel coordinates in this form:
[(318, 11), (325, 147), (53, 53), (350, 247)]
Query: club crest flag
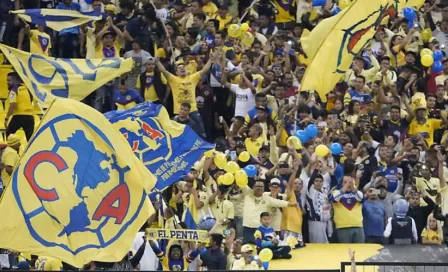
[(167, 148), (57, 19), (78, 192), (47, 78), (332, 45)]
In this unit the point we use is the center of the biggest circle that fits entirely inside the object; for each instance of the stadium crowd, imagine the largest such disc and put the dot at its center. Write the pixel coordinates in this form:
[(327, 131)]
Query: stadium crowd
[(384, 124)]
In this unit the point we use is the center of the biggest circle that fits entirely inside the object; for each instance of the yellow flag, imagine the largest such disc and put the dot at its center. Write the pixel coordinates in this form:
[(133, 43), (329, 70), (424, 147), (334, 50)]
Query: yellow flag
[(47, 77), (57, 19), (334, 42), (78, 193)]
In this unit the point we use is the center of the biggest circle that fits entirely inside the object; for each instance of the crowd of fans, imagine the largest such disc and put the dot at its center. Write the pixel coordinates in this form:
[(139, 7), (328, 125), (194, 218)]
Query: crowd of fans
[(388, 113)]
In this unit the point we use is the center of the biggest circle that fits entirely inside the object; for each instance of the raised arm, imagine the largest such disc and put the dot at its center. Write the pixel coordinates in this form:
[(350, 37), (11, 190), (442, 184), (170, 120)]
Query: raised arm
[(163, 70)]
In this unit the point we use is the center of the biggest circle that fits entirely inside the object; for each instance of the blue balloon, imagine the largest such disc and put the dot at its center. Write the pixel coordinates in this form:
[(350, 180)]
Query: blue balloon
[(437, 67), (311, 131), (265, 265), (335, 148), (401, 207), (319, 3), (335, 11), (409, 14), (437, 55), (303, 137), (250, 170)]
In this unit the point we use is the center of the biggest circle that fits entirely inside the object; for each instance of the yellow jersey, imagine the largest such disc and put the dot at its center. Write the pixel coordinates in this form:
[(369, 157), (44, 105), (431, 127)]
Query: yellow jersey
[(23, 100), (432, 235), (210, 9), (40, 43), (9, 158), (150, 92), (102, 52), (253, 147), (397, 56), (184, 90), (283, 15), (48, 264), (426, 129), (223, 21), (90, 43)]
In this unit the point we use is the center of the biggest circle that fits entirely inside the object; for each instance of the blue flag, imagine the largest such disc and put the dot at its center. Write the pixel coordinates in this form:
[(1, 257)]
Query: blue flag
[(168, 149)]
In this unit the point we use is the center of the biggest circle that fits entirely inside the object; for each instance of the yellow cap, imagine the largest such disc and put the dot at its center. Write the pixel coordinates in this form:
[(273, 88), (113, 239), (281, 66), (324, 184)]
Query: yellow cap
[(13, 140)]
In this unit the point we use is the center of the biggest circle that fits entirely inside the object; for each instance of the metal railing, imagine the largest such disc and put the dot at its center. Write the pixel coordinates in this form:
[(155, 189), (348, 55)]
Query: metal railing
[(395, 267)]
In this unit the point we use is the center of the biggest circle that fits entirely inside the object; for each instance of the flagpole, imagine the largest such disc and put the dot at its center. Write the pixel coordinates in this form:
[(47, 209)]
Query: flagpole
[(166, 31), (247, 11)]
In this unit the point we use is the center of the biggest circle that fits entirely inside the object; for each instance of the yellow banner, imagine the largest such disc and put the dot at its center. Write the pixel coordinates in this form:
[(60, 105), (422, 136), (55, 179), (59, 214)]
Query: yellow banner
[(184, 235), (47, 78)]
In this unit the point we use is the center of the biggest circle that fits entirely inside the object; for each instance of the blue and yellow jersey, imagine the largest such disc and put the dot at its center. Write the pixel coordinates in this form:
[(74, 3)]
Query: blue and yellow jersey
[(127, 100), (169, 264), (40, 43)]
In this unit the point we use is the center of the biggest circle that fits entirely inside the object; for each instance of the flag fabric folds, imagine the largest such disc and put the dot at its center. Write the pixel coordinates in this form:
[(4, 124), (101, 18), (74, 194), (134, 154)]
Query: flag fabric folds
[(78, 193), (334, 42), (167, 148), (47, 77), (57, 19)]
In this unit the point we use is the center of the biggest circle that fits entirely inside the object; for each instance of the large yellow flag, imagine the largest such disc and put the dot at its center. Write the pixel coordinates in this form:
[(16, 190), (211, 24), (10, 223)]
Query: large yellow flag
[(57, 19), (334, 42), (48, 77), (78, 193)]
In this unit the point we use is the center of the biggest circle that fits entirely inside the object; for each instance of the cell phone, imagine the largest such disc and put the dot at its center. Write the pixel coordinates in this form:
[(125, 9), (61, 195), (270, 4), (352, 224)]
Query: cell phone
[(221, 119), (233, 155), (412, 156), (227, 232)]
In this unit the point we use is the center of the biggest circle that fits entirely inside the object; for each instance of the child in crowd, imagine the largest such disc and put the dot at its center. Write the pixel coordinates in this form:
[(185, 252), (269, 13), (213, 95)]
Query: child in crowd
[(265, 237)]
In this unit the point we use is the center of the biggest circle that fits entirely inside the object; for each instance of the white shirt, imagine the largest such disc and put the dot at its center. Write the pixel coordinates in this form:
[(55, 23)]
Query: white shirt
[(245, 100), (149, 261), (442, 38)]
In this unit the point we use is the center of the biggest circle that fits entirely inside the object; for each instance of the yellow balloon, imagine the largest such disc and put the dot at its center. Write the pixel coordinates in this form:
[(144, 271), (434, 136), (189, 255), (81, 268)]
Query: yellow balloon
[(244, 156), (427, 60), (232, 167), (220, 160), (425, 51), (295, 142), (228, 179), (265, 255), (245, 27), (234, 30), (344, 3), (426, 34), (221, 180), (322, 150), (241, 178), (247, 39)]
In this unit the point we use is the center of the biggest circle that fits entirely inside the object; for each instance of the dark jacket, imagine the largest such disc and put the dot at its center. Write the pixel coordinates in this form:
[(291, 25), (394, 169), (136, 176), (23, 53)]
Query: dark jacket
[(420, 215), (439, 216)]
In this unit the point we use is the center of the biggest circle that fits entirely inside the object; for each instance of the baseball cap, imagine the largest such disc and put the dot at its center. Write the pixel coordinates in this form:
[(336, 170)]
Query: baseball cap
[(275, 181), (246, 248)]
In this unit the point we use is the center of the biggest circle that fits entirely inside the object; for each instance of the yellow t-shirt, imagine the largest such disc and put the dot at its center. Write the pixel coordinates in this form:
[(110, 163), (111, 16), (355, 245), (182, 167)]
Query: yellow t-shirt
[(397, 56), (223, 21), (427, 128), (48, 264), (432, 187), (150, 91), (253, 147), (24, 101), (9, 158), (90, 43), (210, 9), (184, 90), (431, 235), (40, 43), (221, 210), (102, 52)]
